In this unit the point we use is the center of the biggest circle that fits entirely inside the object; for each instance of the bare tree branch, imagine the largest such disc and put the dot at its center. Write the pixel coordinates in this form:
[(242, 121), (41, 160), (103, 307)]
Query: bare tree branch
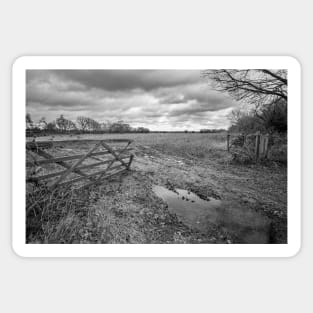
[(258, 87)]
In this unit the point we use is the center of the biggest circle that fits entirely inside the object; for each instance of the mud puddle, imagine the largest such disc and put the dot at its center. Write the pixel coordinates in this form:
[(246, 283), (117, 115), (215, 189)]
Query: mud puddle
[(243, 224)]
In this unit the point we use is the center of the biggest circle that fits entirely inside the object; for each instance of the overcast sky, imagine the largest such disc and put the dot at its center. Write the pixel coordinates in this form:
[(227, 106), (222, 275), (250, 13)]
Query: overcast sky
[(157, 99)]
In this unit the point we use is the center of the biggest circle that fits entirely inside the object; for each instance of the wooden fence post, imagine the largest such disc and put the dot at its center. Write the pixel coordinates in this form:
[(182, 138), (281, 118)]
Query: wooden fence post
[(257, 145), (228, 141), (261, 146), (266, 145)]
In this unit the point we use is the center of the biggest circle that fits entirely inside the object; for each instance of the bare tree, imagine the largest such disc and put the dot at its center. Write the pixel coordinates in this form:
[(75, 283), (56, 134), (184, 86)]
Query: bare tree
[(52, 126), (82, 123), (87, 123), (70, 125), (94, 125), (64, 124), (257, 87), (120, 127)]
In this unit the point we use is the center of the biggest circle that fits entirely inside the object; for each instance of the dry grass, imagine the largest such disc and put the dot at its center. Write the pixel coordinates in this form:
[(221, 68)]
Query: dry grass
[(127, 211), (121, 211), (200, 146), (54, 216)]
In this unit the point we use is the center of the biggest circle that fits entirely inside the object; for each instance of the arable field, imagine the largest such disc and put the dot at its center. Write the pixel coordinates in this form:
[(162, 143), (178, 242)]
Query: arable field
[(246, 203)]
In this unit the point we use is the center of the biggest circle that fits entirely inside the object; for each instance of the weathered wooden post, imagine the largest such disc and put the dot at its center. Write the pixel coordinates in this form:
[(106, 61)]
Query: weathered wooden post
[(244, 139), (261, 146), (228, 141), (266, 145), (257, 145)]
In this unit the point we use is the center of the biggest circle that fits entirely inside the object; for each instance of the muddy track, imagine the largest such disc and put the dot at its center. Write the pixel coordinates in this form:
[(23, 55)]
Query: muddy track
[(126, 209), (242, 187)]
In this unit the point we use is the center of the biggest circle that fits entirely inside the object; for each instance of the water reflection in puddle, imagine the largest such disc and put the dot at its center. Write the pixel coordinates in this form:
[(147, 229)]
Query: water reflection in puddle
[(245, 225)]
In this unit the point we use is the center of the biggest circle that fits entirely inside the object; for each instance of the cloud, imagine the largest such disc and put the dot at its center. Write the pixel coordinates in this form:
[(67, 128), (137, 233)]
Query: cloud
[(129, 79), (158, 99)]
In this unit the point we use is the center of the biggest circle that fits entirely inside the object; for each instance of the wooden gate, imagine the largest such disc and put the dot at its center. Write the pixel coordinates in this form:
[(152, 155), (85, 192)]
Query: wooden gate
[(78, 165), (261, 145)]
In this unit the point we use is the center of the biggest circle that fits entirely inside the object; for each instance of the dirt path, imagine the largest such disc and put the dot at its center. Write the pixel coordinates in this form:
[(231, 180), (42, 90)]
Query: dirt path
[(127, 210), (131, 212)]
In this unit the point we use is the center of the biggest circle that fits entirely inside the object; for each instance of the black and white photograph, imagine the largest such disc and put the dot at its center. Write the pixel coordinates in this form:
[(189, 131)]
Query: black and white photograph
[(156, 156)]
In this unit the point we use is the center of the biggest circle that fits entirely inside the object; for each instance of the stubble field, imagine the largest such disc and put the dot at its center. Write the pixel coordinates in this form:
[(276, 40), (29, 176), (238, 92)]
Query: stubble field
[(126, 209)]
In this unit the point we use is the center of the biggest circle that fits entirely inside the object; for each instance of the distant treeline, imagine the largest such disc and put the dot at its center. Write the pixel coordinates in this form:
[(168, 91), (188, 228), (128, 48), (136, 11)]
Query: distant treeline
[(81, 125), (85, 125), (212, 131)]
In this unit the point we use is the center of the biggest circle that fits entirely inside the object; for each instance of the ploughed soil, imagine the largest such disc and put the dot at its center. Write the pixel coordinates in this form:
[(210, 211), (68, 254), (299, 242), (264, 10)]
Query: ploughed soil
[(125, 209)]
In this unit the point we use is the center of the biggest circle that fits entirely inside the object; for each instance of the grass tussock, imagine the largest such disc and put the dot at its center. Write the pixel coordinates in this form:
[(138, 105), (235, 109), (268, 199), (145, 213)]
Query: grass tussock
[(122, 211), (55, 216)]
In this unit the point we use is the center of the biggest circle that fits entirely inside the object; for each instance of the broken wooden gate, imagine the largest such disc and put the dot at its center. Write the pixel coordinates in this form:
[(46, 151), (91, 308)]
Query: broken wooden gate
[(77, 165), (261, 146)]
